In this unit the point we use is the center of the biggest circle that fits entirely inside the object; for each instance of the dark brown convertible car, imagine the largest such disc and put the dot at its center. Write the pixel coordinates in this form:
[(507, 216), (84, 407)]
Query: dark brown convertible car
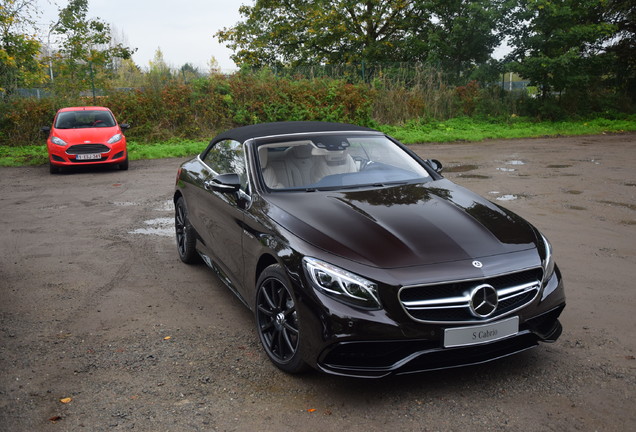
[(357, 257)]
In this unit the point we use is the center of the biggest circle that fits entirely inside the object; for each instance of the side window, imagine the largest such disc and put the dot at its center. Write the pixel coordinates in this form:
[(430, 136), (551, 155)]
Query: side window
[(227, 157)]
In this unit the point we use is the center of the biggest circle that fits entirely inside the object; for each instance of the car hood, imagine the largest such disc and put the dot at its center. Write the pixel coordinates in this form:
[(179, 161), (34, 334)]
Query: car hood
[(86, 135), (402, 226)]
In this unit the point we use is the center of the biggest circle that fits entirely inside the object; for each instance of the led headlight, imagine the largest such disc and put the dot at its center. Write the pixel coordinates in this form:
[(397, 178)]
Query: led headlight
[(342, 285), (115, 138), (548, 260), (58, 141)]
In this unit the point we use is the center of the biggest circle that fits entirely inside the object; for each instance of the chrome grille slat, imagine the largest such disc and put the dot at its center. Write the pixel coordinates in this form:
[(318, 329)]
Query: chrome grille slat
[(516, 290), (424, 303), (449, 302)]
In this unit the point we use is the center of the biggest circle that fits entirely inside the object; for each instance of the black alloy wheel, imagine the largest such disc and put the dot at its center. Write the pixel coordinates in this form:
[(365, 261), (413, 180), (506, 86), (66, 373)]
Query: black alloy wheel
[(186, 238), (277, 320)]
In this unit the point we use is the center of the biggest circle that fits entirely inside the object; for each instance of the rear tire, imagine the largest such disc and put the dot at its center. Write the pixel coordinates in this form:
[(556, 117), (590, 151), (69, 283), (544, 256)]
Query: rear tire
[(186, 235)]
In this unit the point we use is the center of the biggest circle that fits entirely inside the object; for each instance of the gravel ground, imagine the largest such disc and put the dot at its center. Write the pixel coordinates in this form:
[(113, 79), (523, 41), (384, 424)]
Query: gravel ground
[(103, 328)]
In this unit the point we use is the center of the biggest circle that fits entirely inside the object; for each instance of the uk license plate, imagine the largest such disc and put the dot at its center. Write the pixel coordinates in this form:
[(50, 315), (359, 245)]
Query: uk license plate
[(88, 156), (479, 334)]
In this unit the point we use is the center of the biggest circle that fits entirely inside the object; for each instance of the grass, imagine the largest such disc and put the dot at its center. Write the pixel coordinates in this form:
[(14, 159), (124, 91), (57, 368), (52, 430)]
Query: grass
[(469, 129), (420, 131), (37, 155)]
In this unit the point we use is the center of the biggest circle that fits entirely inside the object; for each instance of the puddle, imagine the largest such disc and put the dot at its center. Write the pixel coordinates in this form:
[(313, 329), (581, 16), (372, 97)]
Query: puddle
[(575, 207), (125, 203), (559, 166), (630, 184), (165, 206), (619, 204), (507, 198), (461, 168), (163, 227), (474, 176), (506, 169), (515, 162), (573, 192), (628, 222)]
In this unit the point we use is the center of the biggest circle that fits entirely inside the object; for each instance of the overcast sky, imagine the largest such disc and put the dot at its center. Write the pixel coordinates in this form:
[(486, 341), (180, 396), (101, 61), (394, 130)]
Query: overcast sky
[(183, 29)]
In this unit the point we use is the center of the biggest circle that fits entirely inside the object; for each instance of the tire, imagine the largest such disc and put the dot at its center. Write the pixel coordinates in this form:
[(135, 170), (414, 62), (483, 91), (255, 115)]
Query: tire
[(277, 321), (53, 169), (124, 165), (186, 236)]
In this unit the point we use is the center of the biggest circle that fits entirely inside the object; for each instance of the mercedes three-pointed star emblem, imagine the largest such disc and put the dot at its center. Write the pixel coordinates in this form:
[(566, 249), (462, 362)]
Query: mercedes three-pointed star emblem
[(483, 301)]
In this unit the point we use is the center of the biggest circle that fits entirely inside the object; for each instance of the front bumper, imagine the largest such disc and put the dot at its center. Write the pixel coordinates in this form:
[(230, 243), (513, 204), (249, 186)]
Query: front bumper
[(378, 359), (374, 345), (59, 157)]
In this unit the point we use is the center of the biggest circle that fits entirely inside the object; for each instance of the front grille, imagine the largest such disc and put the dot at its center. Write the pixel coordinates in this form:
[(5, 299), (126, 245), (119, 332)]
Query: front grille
[(87, 148), (449, 302)]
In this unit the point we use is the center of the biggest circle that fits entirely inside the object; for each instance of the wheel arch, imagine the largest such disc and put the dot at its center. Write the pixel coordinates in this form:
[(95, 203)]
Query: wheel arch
[(265, 260)]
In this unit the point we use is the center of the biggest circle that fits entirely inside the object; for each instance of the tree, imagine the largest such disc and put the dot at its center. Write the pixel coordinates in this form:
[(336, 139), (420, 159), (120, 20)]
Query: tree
[(213, 66), (188, 72), (462, 34), (128, 75), (285, 32), (455, 35), (159, 72), (86, 51), (558, 43), (622, 48), (19, 51)]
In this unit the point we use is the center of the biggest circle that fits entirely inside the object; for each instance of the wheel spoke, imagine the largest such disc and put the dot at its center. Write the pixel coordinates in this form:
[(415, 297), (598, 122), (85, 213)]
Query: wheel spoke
[(291, 328), (266, 311), (277, 320), (291, 345), (280, 343), (268, 297)]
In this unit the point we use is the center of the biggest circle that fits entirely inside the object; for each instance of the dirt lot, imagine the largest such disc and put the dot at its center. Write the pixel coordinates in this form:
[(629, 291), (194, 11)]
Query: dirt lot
[(95, 306)]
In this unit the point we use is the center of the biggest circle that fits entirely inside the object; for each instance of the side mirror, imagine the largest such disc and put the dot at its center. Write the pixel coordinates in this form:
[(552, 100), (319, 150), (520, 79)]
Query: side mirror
[(226, 183), (46, 130), (436, 165), (124, 126)]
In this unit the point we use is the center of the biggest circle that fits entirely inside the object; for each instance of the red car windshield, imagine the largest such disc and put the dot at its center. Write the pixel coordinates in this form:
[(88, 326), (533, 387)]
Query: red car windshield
[(84, 119)]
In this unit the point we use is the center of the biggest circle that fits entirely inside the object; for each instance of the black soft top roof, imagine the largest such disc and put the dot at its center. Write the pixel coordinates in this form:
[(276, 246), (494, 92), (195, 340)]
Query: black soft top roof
[(242, 134)]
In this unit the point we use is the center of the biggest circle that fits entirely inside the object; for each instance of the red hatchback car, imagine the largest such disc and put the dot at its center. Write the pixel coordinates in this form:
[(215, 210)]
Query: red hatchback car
[(86, 136)]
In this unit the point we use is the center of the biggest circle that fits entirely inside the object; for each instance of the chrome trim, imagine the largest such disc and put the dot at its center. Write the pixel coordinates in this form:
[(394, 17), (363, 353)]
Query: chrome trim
[(355, 132), (463, 302)]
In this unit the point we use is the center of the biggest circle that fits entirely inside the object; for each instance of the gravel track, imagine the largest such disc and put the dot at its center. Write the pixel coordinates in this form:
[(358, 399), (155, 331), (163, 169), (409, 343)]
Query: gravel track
[(95, 306)]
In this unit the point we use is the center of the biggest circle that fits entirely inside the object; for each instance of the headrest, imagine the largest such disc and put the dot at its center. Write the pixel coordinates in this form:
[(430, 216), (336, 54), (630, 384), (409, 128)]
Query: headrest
[(302, 152), (331, 156), (262, 156)]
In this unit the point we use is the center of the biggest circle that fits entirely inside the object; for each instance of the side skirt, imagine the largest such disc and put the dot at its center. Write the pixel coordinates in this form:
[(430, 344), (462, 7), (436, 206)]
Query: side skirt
[(222, 276)]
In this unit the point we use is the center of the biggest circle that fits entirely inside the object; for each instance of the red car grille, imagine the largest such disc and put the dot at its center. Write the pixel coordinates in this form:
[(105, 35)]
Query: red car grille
[(87, 148)]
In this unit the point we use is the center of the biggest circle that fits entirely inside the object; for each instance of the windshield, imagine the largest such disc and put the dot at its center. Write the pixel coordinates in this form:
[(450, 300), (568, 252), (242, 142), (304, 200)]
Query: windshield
[(339, 161), (84, 119)]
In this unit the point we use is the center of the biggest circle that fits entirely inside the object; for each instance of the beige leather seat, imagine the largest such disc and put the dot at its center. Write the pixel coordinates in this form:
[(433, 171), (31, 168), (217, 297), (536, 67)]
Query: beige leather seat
[(330, 163), (299, 163), (269, 173)]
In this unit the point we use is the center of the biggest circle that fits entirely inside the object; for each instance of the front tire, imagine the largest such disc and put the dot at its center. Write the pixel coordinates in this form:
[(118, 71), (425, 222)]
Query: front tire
[(53, 169), (277, 320), (124, 165), (186, 237)]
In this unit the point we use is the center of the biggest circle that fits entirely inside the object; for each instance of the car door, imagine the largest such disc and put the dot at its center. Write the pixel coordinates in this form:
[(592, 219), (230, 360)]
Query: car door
[(222, 213)]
